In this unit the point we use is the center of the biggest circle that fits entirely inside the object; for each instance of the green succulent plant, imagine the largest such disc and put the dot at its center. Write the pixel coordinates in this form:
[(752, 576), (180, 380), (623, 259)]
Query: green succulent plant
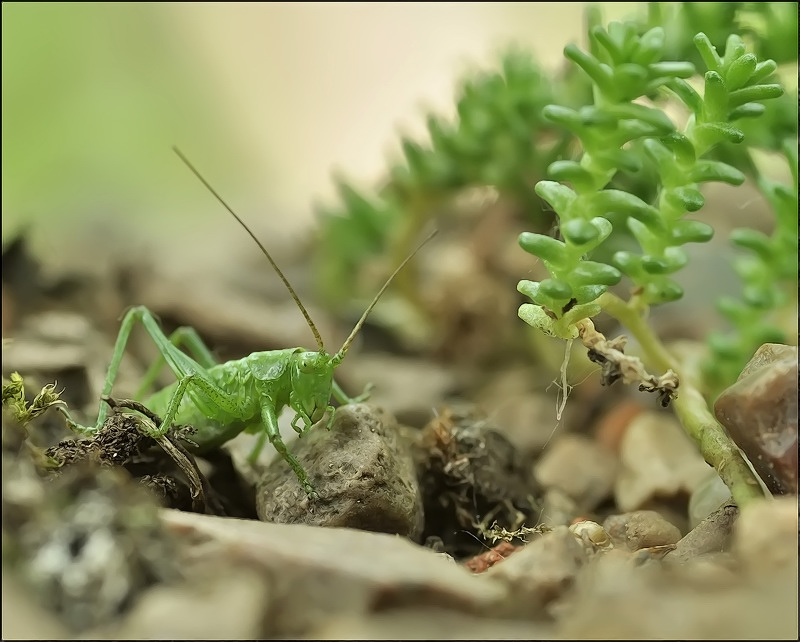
[(621, 131), (627, 68)]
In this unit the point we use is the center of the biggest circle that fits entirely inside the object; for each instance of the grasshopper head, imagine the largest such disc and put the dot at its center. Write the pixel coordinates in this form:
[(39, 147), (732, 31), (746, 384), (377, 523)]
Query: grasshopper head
[(312, 377)]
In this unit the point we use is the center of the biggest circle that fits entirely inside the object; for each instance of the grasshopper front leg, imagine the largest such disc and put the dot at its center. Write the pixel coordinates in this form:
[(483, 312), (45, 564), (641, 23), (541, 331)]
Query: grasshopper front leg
[(308, 422), (342, 397), (270, 420)]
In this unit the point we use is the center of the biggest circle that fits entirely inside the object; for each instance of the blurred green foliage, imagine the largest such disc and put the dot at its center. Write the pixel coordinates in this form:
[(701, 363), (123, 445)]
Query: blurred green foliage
[(498, 138), (768, 28)]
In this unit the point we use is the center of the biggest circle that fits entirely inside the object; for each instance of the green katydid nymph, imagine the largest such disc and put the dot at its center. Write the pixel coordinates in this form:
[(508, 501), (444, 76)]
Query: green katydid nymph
[(222, 400)]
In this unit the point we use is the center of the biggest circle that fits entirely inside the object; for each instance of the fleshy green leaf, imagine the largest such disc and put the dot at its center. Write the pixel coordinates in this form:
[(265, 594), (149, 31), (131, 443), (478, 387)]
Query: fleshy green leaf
[(555, 289), (753, 240), (672, 69), (740, 71), (687, 198), (628, 262), (651, 45), (612, 200), (691, 232), (572, 172), (664, 291), (593, 273), (712, 133), (748, 110), (559, 196), (588, 293), (687, 94), (707, 171), (545, 247), (763, 70), (599, 73), (538, 318), (580, 231), (707, 51), (564, 116), (755, 93), (656, 118), (715, 98), (654, 265)]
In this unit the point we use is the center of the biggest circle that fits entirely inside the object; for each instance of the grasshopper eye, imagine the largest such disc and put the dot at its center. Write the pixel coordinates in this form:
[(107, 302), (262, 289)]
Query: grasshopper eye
[(308, 362)]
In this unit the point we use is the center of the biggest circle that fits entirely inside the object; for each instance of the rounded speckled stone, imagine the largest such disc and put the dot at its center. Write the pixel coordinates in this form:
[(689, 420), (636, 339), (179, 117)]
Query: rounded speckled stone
[(362, 471)]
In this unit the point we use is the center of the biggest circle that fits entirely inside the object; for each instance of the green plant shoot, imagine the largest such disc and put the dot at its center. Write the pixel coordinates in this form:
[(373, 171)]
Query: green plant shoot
[(222, 400), (622, 132)]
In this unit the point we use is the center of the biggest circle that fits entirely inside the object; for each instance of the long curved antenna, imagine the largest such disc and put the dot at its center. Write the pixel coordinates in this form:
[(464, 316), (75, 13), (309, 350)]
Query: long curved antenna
[(288, 285), (337, 358)]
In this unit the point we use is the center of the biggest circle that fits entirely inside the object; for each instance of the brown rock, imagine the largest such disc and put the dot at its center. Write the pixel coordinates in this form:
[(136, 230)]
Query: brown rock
[(558, 509), (226, 605), (430, 624), (579, 467), (641, 529), (760, 413), (707, 498), (765, 536), (87, 542), (615, 598), (316, 574), (362, 471), (403, 388), (514, 400), (528, 420), (24, 618), (612, 426), (657, 459), (712, 535), (542, 572)]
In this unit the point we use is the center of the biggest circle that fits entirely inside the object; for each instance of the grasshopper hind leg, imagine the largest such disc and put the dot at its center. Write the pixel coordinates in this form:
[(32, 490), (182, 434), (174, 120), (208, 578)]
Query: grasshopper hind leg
[(261, 439), (131, 316), (183, 336)]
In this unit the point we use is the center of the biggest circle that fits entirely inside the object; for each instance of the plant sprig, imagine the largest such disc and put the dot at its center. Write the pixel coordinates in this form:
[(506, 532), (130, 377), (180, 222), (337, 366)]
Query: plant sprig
[(617, 134), (22, 411), (627, 68)]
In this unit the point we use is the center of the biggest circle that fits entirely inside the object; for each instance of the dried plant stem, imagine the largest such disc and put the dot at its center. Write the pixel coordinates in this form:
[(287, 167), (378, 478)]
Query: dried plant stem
[(618, 365), (690, 406), (203, 499)]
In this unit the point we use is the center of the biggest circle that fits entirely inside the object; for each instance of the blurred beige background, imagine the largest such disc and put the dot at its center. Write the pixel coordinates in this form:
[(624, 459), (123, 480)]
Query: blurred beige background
[(267, 99)]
